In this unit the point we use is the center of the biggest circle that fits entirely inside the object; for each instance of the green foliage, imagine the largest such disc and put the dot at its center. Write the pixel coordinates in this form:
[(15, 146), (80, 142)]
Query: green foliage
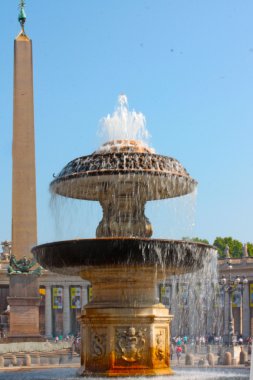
[(200, 240), (196, 239), (250, 249), (235, 246)]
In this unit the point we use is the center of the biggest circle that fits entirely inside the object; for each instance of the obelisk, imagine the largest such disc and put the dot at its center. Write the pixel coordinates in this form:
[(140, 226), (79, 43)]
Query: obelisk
[(24, 297), (24, 216)]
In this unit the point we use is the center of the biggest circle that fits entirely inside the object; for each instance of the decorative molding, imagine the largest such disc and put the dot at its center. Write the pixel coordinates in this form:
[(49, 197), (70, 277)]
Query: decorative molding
[(130, 343), (160, 345), (98, 344)]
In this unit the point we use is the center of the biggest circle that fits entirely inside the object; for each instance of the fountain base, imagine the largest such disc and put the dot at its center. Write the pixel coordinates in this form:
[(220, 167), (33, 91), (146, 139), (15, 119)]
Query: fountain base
[(125, 331)]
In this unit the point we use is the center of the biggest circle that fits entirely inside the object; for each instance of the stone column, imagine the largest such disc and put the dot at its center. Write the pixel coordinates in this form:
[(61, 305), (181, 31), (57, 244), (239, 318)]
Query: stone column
[(246, 312), (66, 311), (48, 312), (226, 316), (84, 295)]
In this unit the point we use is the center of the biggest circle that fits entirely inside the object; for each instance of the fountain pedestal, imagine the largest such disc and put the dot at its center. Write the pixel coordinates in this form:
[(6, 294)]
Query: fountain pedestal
[(125, 331), (24, 301)]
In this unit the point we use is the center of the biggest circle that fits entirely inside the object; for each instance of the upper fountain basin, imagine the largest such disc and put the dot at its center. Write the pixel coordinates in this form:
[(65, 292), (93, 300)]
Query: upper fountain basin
[(71, 257), (137, 170)]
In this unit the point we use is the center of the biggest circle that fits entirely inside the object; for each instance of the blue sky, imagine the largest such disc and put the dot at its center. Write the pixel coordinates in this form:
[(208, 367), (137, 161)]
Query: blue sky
[(187, 65)]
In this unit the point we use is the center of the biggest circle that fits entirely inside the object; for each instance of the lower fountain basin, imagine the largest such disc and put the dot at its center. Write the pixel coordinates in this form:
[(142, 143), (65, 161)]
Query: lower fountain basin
[(181, 374), (71, 257)]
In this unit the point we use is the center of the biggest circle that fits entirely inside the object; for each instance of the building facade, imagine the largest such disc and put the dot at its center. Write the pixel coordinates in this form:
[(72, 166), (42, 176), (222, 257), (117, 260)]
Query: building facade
[(242, 297)]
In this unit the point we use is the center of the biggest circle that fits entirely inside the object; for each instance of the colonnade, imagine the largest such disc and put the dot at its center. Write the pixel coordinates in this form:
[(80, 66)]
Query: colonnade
[(66, 307), (211, 319), (242, 316)]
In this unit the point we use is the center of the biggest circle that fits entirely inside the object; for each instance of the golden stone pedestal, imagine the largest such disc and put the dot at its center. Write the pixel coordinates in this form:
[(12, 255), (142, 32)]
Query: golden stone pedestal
[(24, 301), (125, 331)]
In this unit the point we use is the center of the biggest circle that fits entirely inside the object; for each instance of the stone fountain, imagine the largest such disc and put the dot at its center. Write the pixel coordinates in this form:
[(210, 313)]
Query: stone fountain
[(125, 330)]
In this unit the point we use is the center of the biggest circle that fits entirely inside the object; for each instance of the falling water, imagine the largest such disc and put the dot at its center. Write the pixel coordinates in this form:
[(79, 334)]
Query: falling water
[(173, 218), (74, 218), (195, 300)]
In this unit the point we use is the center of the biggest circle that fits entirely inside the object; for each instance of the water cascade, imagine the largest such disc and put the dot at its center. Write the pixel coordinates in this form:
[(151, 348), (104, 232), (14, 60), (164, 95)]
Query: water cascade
[(125, 330)]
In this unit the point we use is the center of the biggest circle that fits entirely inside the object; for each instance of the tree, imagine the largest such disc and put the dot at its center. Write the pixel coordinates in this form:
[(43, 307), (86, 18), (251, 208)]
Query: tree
[(250, 249), (196, 239), (235, 246)]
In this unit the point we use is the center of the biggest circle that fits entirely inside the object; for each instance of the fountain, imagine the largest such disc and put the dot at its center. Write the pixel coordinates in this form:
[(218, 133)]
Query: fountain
[(125, 330)]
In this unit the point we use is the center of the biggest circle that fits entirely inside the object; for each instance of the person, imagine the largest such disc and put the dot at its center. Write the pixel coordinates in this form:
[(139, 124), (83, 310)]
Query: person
[(178, 341), (240, 340), (179, 353)]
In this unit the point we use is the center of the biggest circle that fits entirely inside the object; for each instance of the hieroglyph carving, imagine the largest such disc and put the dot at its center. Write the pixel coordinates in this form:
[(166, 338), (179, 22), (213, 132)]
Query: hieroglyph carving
[(130, 343), (98, 345)]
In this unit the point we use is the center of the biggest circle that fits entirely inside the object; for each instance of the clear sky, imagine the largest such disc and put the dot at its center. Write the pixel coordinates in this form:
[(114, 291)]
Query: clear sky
[(187, 65)]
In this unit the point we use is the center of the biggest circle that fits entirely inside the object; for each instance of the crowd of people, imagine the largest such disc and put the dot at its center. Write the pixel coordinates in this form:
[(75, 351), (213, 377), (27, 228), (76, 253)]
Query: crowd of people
[(178, 343), (177, 346), (74, 340)]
